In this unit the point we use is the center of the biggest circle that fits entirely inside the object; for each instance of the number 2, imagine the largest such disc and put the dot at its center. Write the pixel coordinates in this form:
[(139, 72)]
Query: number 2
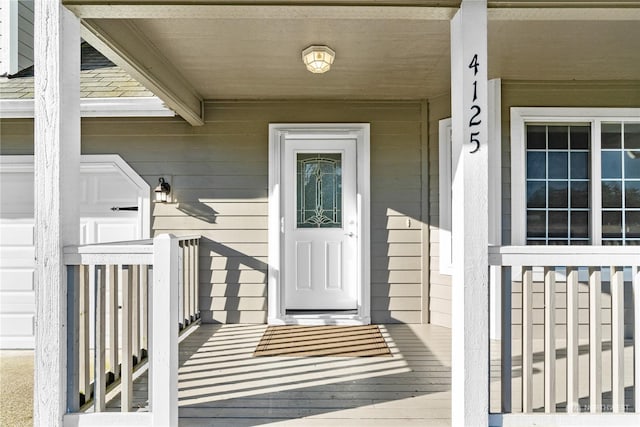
[(473, 121)]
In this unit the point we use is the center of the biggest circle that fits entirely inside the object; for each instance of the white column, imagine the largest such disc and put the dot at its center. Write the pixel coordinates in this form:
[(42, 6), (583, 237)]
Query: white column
[(470, 302), (163, 348), (57, 173)]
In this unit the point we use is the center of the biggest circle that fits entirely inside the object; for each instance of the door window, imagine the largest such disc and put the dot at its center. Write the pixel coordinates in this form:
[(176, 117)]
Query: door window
[(319, 190)]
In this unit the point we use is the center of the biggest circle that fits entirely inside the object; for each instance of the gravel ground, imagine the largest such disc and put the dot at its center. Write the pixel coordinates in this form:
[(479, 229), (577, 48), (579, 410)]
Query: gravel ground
[(16, 388)]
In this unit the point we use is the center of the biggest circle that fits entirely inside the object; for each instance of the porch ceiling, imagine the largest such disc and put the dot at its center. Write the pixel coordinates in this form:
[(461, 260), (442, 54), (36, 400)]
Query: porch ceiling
[(253, 52)]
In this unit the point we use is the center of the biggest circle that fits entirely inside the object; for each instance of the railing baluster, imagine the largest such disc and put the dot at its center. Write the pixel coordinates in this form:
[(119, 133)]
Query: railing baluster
[(191, 278), (617, 338), (144, 309), (83, 337), (100, 381), (73, 349), (595, 339), (635, 272), (527, 339), (572, 341), (126, 384), (506, 343), (549, 339), (135, 313), (181, 284), (196, 280), (184, 247), (113, 312)]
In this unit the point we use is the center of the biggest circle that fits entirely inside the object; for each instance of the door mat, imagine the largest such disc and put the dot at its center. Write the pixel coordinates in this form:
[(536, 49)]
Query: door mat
[(350, 341)]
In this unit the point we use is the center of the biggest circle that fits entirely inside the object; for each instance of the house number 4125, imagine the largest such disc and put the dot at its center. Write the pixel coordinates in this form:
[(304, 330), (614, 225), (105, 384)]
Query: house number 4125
[(474, 121)]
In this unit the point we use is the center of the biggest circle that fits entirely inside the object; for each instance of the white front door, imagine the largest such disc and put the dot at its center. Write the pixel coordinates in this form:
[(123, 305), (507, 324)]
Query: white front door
[(320, 230)]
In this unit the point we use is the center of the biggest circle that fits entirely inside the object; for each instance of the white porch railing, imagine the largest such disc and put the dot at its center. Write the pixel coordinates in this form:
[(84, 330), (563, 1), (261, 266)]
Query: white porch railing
[(561, 302), (119, 297)]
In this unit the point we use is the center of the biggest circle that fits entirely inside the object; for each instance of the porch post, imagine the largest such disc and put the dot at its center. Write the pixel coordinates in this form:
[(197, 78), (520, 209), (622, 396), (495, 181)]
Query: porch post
[(470, 302), (57, 173)]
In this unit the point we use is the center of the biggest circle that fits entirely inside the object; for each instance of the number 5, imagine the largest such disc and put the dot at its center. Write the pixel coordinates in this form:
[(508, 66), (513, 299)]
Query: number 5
[(475, 141)]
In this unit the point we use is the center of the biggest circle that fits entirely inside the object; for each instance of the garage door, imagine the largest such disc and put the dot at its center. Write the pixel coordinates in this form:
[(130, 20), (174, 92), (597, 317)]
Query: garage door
[(106, 182)]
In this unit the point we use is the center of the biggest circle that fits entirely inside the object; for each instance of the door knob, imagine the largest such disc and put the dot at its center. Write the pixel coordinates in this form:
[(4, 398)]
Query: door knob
[(349, 234)]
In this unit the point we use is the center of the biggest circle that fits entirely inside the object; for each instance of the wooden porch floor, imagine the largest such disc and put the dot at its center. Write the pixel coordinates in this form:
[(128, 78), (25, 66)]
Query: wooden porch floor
[(221, 383)]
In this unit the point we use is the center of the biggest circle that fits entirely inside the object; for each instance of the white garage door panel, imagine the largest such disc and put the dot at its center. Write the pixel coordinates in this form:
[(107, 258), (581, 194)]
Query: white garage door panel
[(16, 280), (115, 232), (17, 257), (17, 325), (14, 183), (105, 182), (18, 303), (16, 234)]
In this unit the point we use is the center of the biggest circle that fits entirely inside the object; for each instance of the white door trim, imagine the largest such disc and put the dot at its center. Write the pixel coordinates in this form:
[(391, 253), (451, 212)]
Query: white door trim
[(276, 308)]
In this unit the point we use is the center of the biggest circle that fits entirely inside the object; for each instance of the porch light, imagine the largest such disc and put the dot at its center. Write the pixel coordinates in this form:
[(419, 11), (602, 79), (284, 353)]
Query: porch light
[(162, 191), (318, 59)]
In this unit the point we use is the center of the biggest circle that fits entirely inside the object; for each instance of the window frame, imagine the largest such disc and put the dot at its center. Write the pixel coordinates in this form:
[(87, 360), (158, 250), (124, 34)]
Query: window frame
[(520, 117)]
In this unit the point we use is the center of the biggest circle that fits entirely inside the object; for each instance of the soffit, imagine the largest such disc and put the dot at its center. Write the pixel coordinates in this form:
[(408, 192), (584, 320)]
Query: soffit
[(260, 58), (381, 58)]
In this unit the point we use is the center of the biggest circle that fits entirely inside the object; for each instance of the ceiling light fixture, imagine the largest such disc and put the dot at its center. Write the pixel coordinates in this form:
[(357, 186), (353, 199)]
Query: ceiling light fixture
[(318, 59)]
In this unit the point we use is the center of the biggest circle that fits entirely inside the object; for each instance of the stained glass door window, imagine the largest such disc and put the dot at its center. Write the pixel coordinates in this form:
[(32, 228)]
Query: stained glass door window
[(319, 190)]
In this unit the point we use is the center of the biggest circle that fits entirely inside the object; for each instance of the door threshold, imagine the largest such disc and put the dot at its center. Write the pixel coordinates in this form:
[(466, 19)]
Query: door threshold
[(321, 317), (319, 312)]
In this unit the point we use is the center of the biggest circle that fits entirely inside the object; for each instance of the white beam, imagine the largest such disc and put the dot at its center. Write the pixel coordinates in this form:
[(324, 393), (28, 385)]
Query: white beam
[(125, 45), (470, 302), (199, 9), (57, 174)]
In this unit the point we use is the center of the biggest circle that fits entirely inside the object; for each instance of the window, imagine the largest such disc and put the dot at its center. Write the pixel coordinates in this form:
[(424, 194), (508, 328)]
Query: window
[(575, 176)]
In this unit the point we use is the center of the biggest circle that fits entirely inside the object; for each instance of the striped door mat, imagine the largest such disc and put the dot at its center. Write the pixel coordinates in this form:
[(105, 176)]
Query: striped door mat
[(354, 341)]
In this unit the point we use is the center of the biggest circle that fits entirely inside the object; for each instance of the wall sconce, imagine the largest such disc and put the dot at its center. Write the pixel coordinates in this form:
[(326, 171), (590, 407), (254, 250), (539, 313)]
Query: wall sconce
[(162, 191), (318, 59)]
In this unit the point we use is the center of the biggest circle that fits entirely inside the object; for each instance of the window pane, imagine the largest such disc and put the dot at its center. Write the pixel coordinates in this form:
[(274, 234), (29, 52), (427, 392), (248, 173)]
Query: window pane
[(611, 194), (579, 165), (536, 194), (611, 164), (632, 136), (536, 165), (319, 203), (536, 137), (558, 224), (579, 194), (611, 135), (536, 223), (558, 165), (631, 165), (580, 137), (580, 224), (612, 224), (558, 137), (632, 222), (558, 194), (632, 194)]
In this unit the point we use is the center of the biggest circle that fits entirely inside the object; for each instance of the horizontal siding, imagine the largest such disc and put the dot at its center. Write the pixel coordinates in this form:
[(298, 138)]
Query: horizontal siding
[(219, 175)]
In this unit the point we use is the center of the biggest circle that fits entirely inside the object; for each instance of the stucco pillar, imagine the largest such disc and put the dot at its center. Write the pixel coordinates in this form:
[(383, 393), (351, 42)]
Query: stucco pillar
[(57, 175), (470, 302)]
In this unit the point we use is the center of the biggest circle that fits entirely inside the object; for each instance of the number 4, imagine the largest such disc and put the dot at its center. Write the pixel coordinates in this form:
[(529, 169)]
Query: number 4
[(474, 64)]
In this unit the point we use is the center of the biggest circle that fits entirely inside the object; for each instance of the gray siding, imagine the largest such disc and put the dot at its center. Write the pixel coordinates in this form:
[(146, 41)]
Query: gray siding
[(219, 175)]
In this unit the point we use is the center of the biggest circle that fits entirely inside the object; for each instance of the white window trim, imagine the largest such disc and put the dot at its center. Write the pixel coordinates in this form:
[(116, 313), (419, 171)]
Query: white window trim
[(522, 115), (444, 228), (94, 107)]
